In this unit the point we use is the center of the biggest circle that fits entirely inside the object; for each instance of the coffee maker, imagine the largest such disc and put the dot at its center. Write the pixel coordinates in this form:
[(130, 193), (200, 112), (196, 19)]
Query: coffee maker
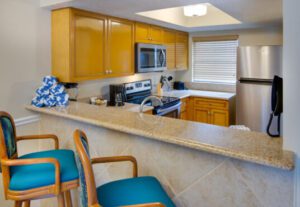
[(117, 95)]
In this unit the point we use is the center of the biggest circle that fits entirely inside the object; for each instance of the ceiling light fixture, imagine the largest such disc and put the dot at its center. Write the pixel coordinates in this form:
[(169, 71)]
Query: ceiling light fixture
[(195, 10)]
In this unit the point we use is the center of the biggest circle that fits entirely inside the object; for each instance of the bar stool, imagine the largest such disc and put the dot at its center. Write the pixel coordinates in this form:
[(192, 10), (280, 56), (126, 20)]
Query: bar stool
[(134, 192), (36, 175)]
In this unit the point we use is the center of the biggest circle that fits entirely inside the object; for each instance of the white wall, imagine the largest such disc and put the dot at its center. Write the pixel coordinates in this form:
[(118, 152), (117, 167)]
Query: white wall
[(261, 36), (24, 52), (25, 56), (291, 74)]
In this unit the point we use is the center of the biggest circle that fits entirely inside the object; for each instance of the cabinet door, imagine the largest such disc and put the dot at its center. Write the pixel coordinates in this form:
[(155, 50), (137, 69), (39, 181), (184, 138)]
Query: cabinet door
[(169, 42), (181, 50), (142, 33), (184, 115), (120, 47), (202, 115), (89, 46), (156, 35), (219, 117)]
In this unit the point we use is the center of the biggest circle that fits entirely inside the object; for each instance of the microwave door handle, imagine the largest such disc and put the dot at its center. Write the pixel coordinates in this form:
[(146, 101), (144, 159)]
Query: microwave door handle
[(161, 57), (164, 57)]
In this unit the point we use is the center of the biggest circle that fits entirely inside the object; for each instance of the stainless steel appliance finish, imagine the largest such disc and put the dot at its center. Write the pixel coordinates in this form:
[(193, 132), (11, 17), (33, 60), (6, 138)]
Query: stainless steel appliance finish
[(256, 67), (139, 91), (150, 58)]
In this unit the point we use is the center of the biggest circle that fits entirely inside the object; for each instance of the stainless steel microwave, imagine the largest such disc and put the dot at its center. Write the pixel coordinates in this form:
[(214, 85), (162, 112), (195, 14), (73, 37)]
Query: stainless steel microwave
[(150, 58)]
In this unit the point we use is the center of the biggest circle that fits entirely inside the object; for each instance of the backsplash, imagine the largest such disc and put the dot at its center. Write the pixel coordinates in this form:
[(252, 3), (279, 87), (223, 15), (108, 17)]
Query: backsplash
[(101, 87), (211, 87)]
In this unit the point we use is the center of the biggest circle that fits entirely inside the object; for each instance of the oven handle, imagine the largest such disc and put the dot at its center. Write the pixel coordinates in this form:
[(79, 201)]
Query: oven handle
[(169, 109)]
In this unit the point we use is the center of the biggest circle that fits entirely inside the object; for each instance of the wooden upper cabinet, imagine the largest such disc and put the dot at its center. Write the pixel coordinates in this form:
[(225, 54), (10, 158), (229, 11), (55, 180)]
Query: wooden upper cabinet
[(156, 34), (170, 43), (89, 34), (120, 47), (142, 33), (181, 50), (87, 46), (146, 33)]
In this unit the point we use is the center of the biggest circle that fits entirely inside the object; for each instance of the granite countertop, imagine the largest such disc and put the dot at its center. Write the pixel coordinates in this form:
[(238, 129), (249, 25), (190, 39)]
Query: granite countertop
[(197, 93), (127, 106), (243, 145)]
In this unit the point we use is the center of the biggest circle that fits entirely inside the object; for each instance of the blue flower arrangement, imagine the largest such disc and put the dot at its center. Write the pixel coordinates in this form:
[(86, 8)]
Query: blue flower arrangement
[(50, 94)]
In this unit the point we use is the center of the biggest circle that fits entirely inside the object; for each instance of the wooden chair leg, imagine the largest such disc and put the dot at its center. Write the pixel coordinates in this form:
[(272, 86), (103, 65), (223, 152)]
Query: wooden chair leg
[(18, 203), (27, 203), (61, 200), (68, 199)]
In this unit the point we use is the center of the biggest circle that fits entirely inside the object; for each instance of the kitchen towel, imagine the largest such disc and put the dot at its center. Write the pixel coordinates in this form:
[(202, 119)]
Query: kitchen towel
[(50, 94)]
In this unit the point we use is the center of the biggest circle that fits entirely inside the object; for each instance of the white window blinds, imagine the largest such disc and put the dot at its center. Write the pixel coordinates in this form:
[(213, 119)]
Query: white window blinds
[(215, 61)]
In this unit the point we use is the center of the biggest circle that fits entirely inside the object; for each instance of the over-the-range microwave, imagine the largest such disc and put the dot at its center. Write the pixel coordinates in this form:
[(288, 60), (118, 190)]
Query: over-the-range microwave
[(150, 58)]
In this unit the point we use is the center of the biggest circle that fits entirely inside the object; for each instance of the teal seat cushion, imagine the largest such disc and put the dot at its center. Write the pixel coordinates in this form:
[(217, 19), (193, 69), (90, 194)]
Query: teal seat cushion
[(133, 191), (39, 175)]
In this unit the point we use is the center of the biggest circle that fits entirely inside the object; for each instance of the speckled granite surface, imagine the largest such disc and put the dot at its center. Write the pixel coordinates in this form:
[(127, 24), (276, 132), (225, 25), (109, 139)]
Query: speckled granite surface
[(248, 146), (198, 93)]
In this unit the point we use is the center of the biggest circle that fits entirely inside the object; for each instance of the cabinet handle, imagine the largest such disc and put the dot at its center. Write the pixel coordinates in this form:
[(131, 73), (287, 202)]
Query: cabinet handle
[(110, 71)]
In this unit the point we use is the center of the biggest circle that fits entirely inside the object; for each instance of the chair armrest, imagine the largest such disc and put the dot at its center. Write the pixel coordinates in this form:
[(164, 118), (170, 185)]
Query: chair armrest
[(33, 161), (147, 205), (118, 159), (42, 136)]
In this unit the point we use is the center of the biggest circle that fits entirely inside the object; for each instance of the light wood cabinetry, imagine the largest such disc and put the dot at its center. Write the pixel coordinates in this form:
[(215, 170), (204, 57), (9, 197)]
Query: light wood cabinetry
[(145, 33), (206, 110), (120, 60), (181, 50), (211, 111), (184, 109), (170, 43), (88, 46), (177, 49), (89, 51)]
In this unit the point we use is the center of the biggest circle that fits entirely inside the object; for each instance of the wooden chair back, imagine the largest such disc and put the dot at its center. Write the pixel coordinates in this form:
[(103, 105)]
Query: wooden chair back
[(8, 148), (88, 193)]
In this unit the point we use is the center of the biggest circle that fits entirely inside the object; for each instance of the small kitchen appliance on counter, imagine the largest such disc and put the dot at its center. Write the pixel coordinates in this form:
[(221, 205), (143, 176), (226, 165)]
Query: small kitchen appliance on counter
[(178, 85), (116, 95)]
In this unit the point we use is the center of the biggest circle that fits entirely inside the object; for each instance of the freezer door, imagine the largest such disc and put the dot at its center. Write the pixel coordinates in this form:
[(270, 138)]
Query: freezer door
[(259, 62), (254, 106)]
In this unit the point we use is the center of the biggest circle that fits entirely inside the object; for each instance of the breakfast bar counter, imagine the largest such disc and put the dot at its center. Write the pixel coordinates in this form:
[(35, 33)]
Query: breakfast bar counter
[(243, 145), (196, 163)]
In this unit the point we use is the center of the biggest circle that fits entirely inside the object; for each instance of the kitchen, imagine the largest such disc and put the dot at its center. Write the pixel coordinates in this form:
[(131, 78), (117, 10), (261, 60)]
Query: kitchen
[(200, 101)]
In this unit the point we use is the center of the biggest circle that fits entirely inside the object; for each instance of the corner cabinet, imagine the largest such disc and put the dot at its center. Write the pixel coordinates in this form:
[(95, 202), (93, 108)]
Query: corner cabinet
[(88, 46)]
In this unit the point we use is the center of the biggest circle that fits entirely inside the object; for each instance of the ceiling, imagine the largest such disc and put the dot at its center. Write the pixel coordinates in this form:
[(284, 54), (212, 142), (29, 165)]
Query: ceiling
[(251, 13)]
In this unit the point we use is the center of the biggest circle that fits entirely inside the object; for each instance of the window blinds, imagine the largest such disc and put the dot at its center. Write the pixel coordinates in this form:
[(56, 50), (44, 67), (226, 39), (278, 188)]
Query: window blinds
[(215, 61)]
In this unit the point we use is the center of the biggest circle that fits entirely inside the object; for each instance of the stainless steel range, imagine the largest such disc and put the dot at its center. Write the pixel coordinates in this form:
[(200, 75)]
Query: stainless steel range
[(136, 92)]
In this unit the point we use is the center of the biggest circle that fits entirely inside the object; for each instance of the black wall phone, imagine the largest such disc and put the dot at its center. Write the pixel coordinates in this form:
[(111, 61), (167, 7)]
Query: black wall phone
[(276, 103)]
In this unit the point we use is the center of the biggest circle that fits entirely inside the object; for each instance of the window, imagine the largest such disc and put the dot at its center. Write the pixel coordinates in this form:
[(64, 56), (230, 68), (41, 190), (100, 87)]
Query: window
[(214, 59)]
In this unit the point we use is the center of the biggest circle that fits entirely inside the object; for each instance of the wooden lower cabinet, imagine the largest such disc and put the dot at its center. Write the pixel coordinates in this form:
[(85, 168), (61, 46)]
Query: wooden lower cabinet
[(206, 110), (201, 115), (219, 117)]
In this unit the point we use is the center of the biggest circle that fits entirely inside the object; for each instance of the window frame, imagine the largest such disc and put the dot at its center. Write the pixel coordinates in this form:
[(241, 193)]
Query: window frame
[(211, 39)]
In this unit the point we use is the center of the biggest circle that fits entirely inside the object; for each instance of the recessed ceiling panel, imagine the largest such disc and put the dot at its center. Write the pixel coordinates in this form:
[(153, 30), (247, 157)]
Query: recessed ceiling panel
[(176, 16)]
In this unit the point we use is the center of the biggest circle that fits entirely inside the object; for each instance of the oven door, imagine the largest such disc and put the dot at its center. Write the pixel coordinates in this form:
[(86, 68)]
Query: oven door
[(150, 58), (172, 111)]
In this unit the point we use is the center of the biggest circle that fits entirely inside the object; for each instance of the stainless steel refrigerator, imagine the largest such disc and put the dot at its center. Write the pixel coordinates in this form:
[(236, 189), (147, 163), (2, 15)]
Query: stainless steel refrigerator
[(256, 67)]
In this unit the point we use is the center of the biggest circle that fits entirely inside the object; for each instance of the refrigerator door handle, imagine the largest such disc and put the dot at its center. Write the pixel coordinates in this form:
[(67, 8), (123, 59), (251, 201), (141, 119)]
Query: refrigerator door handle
[(256, 80)]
